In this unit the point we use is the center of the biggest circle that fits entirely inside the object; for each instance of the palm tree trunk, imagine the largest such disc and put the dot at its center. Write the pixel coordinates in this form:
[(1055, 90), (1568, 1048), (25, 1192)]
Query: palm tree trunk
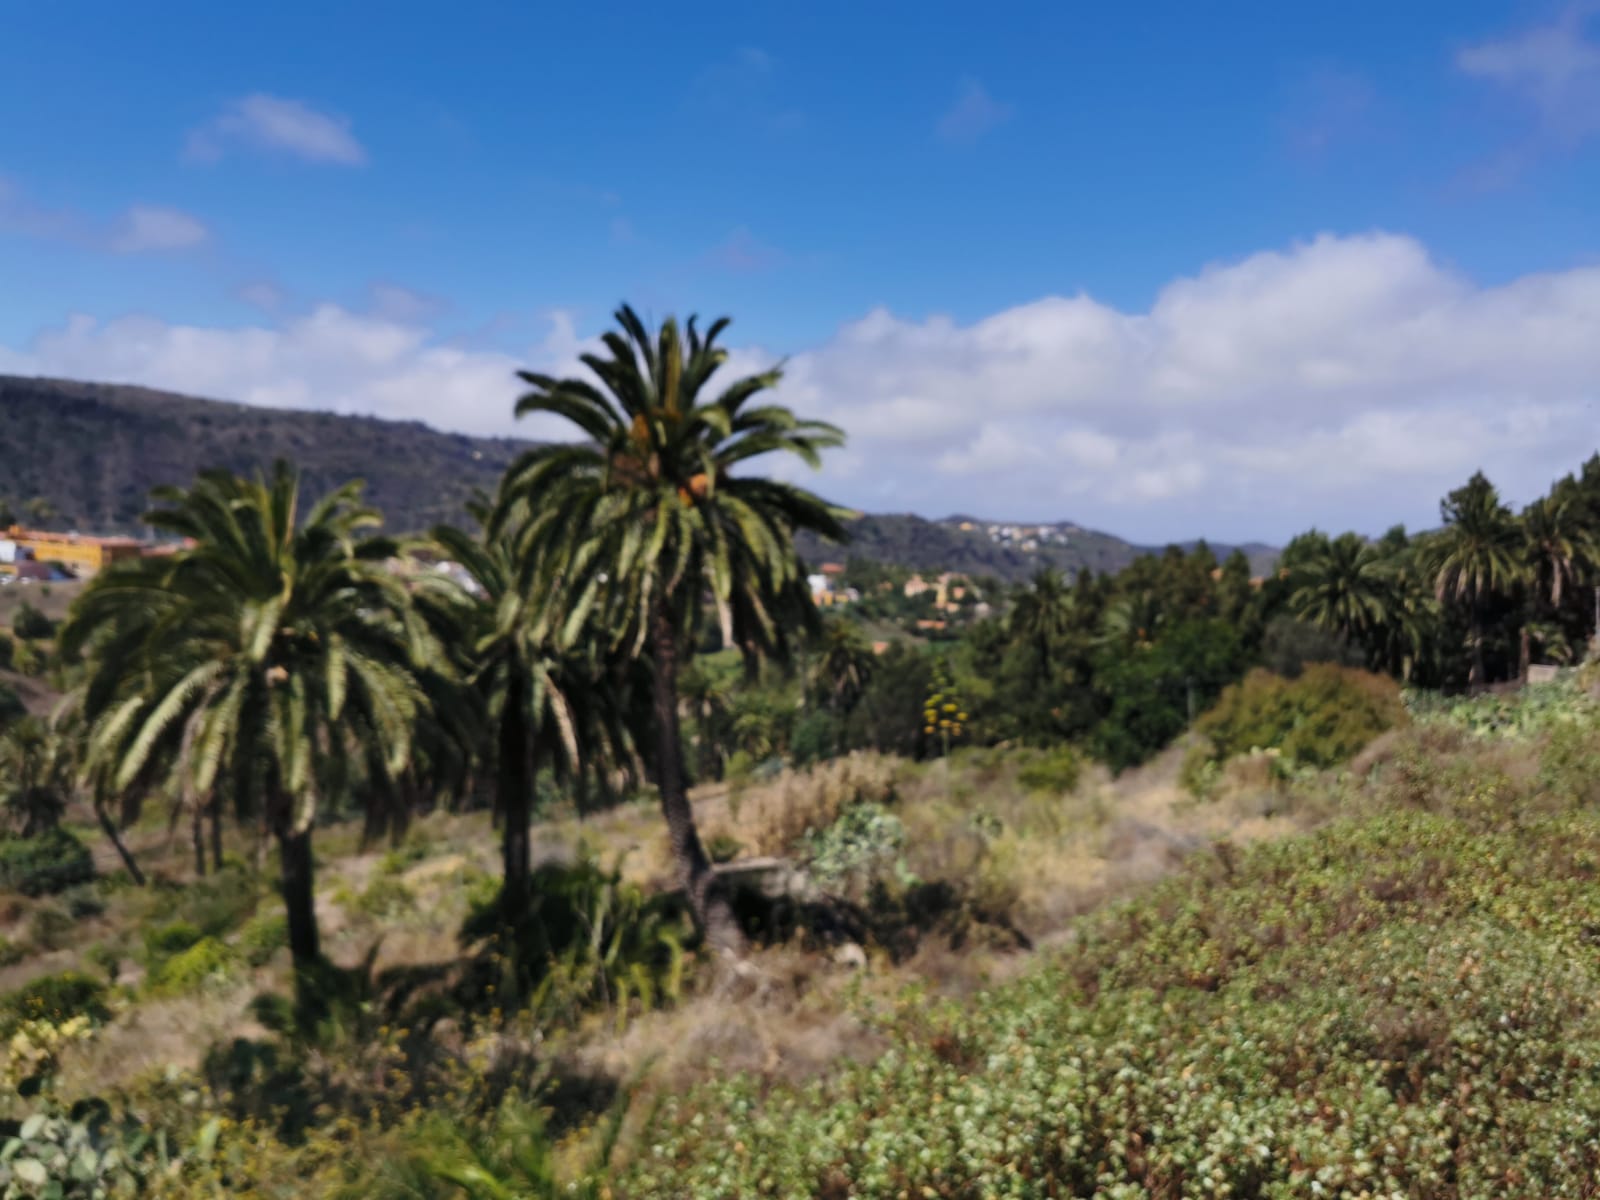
[(216, 834), (512, 792), (110, 827), (197, 831), (707, 902), (1526, 655), (1475, 678), (299, 896)]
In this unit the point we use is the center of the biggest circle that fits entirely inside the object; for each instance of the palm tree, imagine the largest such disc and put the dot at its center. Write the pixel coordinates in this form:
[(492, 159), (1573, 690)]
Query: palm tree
[(260, 663), (1130, 621), (1043, 615), (653, 517), (1477, 556), (549, 700), (1346, 588), (35, 776), (1558, 545), (843, 664)]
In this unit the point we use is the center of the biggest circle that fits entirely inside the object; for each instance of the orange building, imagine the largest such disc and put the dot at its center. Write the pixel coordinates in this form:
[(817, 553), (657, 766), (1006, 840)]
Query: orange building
[(76, 551)]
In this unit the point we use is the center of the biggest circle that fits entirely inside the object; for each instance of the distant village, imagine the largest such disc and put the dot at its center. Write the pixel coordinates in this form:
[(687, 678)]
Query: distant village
[(1027, 538)]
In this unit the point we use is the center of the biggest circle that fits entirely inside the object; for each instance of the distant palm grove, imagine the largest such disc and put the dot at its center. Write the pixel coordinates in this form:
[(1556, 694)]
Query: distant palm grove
[(629, 617)]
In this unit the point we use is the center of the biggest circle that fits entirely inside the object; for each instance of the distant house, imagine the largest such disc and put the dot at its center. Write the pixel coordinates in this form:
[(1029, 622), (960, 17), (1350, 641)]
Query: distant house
[(833, 569), (916, 586), (932, 623), (880, 647), (823, 592), (78, 552)]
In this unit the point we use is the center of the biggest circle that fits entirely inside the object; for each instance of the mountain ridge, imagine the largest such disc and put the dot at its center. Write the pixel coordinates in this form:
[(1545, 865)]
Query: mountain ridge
[(94, 450)]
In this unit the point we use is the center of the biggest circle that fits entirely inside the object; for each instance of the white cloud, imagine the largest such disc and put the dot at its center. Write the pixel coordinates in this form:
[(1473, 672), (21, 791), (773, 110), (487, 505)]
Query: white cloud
[(262, 294), (144, 228), (1555, 67), (1346, 381), (276, 124), (138, 229), (393, 302), (974, 114)]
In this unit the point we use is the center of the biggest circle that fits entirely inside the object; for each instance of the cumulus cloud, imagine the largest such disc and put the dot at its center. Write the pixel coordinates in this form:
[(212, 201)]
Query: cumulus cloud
[(1344, 382), (329, 358), (145, 228), (273, 123), (973, 114)]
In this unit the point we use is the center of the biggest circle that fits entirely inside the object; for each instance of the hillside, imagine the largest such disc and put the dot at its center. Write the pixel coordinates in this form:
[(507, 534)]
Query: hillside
[(1011, 551), (94, 451)]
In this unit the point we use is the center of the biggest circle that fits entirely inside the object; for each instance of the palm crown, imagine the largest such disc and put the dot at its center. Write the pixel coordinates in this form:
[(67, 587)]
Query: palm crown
[(274, 660)]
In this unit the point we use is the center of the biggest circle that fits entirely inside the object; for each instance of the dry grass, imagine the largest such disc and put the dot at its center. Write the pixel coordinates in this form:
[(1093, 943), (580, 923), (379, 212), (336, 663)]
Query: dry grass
[(1037, 858)]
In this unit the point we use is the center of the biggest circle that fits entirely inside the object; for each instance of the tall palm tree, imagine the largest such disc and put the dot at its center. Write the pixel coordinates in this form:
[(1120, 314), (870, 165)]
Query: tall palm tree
[(1042, 616), (654, 516), (549, 700), (843, 664), (1346, 588), (257, 662), (1477, 556)]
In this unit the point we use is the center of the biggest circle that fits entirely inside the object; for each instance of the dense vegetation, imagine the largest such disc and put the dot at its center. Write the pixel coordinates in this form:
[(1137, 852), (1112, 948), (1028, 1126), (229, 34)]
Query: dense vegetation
[(1398, 1004), (1389, 997)]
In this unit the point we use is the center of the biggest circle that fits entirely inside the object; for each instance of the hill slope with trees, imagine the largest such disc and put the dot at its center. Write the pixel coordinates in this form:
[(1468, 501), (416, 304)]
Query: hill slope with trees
[(91, 452), (85, 456)]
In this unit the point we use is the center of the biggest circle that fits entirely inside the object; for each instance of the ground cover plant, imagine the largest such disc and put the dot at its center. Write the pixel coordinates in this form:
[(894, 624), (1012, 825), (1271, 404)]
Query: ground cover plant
[(1397, 1004)]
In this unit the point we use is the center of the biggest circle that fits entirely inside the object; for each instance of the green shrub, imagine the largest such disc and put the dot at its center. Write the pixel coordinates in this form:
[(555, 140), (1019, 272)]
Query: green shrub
[(1396, 1006), (50, 927), (8, 651), (385, 897), (37, 866), (12, 952), (407, 854), (818, 736), (263, 937), (106, 957), (207, 961), (83, 903), (54, 998), (32, 625), (165, 941), (1054, 770), (589, 939), (1569, 764), (723, 847), (216, 904), (865, 844), (1536, 709), (1321, 718)]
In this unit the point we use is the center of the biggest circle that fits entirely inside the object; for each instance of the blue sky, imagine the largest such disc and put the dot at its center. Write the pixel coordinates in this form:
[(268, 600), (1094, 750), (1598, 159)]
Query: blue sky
[(1168, 269)]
